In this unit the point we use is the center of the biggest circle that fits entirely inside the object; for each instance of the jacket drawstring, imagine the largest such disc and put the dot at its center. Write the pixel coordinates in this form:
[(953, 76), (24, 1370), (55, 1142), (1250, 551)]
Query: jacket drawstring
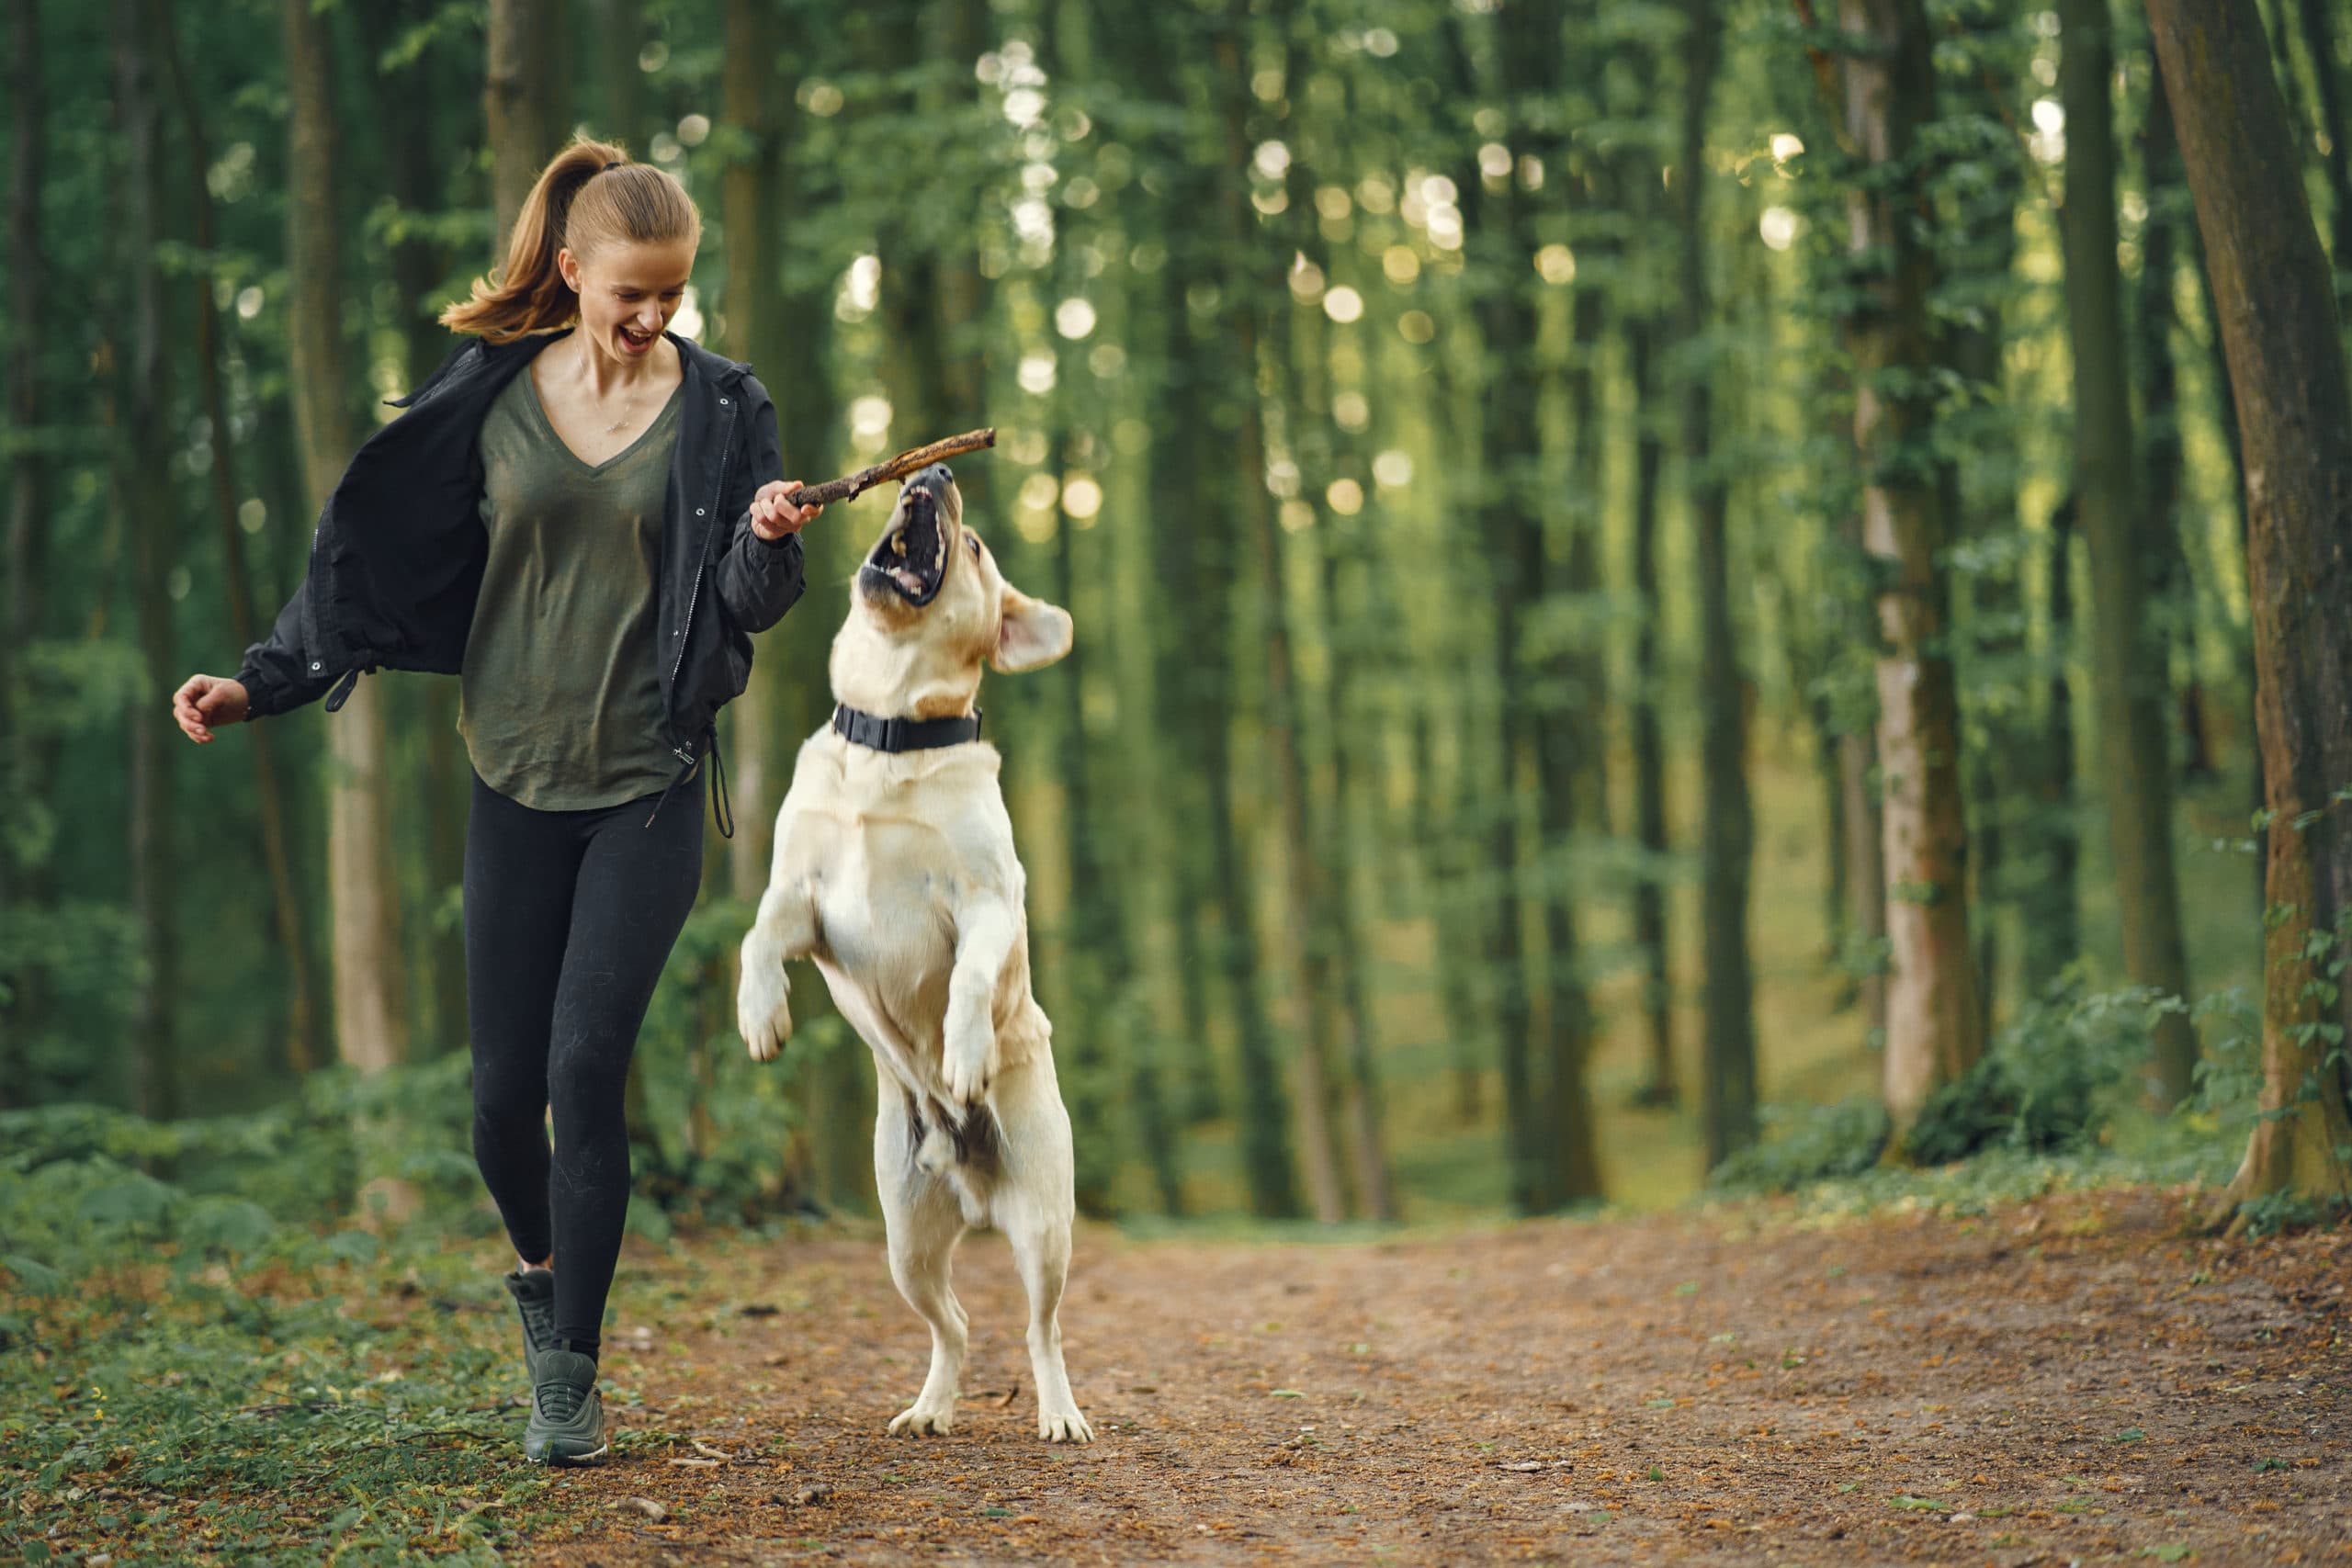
[(722, 808)]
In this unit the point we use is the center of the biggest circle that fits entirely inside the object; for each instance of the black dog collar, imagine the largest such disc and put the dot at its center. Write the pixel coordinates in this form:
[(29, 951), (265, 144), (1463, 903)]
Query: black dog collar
[(905, 734)]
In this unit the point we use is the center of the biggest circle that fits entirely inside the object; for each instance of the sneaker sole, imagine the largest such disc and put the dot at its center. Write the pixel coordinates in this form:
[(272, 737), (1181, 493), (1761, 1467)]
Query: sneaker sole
[(559, 1460), (565, 1461)]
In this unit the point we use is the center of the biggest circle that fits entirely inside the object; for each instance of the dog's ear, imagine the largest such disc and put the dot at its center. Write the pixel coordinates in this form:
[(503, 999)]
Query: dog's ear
[(1031, 634)]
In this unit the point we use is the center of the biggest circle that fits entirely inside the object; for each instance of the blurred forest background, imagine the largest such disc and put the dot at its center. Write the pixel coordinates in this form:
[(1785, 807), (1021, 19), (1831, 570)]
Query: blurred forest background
[(1662, 589)]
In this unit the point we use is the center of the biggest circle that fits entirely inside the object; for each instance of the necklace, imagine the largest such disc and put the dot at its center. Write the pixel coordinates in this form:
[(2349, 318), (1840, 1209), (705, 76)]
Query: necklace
[(627, 409)]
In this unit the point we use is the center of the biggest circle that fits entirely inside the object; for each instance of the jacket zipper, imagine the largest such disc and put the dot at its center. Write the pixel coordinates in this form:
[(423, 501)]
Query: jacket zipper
[(694, 594)]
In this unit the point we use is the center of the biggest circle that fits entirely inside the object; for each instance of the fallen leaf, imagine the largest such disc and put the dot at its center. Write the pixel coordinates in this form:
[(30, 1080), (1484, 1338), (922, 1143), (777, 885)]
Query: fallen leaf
[(646, 1505), (1004, 1400), (1524, 1467), (707, 1451)]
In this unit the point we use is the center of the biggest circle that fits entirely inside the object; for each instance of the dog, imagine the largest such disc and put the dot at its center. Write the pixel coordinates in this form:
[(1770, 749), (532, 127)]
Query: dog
[(895, 871)]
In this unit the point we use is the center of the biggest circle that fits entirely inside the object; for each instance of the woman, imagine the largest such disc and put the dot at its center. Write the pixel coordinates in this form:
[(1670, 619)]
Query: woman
[(574, 522)]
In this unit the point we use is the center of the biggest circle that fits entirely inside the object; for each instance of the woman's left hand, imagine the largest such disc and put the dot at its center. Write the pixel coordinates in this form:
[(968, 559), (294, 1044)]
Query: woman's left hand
[(772, 517)]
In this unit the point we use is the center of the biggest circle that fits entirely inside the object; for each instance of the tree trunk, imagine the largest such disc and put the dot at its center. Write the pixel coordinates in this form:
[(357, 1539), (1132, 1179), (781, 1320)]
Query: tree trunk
[(371, 1023), (1727, 831), (1244, 288), (2323, 23), (2128, 674), (619, 32), (514, 119), (1335, 920), (306, 1036), (419, 123), (1662, 1085), (26, 764), (2160, 415), (2154, 317), (2049, 902), (762, 759), (1935, 1018), (2280, 332), (148, 507)]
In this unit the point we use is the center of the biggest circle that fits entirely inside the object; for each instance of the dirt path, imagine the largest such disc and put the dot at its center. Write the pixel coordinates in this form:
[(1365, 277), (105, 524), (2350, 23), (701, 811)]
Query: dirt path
[(2070, 1381)]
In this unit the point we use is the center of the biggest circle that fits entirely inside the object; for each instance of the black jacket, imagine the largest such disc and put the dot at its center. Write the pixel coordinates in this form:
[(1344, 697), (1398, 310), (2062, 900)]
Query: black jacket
[(397, 559)]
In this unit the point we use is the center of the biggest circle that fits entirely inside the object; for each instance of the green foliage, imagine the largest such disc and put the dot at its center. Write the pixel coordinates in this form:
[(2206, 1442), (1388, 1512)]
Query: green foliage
[(200, 1374), (1804, 1144), (2047, 1079)]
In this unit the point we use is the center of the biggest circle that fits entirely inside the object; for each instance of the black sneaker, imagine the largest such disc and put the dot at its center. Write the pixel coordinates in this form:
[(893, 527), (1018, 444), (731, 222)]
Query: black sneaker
[(567, 1424), (534, 1293)]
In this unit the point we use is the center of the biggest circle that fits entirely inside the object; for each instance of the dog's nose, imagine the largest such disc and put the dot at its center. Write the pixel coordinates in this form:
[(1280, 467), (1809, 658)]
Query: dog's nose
[(935, 478)]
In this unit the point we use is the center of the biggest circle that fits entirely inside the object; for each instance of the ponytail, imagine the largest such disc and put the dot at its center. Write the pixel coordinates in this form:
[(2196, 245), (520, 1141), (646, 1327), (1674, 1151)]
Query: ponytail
[(589, 195)]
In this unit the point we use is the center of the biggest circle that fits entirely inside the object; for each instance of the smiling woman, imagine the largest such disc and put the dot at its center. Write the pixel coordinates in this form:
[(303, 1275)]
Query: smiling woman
[(580, 516)]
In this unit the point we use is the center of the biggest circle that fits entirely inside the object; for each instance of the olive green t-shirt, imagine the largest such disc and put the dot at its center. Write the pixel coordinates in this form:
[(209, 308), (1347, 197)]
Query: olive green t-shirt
[(560, 698)]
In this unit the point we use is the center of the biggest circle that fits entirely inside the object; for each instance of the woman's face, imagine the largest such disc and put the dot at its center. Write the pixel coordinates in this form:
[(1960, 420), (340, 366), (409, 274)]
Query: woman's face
[(627, 294)]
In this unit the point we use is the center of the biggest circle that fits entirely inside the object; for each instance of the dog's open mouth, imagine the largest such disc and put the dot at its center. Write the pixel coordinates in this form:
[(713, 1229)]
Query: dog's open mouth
[(912, 555)]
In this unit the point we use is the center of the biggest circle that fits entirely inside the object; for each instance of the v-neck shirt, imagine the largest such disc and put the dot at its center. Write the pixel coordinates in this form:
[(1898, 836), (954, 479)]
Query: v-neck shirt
[(560, 703)]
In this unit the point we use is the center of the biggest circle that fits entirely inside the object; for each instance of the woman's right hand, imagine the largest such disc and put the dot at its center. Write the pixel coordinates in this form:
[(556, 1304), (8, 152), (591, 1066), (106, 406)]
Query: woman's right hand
[(203, 701)]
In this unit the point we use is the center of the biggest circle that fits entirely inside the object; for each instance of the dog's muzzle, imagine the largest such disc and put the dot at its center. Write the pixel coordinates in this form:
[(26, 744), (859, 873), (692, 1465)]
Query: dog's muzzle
[(910, 558)]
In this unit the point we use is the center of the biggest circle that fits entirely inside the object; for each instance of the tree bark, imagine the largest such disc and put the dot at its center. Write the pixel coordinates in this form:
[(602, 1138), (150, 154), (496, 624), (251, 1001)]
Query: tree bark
[(1727, 831), (2154, 317), (27, 763), (419, 121), (372, 1022), (1246, 285), (514, 119), (748, 189), (149, 511), (1662, 1085), (2285, 347), (2050, 904), (1935, 1017), (619, 34), (2322, 24), (305, 1042), (2128, 674)]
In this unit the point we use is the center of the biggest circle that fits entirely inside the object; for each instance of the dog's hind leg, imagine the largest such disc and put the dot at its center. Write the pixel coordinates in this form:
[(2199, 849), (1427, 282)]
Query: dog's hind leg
[(924, 1219), (787, 928), (1032, 1205)]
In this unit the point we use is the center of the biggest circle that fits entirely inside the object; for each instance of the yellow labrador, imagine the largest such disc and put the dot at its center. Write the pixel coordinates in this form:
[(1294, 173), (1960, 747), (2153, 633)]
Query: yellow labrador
[(895, 871)]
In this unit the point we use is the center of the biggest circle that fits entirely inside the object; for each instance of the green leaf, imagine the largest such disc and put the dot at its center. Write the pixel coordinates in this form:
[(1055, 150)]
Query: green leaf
[(36, 1276), (2171, 1551), (1927, 1505), (1288, 1393), (356, 1248), (2130, 1435)]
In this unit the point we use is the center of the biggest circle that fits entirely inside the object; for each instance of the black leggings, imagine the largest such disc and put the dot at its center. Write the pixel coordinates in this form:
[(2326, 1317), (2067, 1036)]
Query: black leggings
[(570, 916)]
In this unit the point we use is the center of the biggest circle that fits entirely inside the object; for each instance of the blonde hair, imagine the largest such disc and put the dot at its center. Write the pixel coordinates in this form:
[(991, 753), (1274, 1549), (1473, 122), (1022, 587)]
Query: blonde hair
[(589, 197)]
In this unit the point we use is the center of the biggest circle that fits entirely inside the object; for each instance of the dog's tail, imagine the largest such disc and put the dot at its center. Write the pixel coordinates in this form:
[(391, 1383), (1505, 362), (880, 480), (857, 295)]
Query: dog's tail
[(940, 1142)]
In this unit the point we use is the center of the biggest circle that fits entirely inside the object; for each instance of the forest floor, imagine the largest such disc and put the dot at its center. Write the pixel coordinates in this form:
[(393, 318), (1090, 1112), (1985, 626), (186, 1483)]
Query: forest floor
[(2069, 1379)]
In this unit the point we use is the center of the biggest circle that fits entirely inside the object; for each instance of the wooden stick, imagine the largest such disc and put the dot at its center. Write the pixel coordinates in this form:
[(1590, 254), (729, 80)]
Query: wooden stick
[(897, 467)]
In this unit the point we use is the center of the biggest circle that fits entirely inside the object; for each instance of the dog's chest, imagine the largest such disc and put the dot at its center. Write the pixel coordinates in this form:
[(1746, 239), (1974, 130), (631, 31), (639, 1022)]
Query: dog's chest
[(884, 897)]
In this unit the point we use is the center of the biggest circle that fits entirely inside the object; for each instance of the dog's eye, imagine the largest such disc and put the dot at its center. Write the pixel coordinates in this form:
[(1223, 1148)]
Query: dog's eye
[(974, 541)]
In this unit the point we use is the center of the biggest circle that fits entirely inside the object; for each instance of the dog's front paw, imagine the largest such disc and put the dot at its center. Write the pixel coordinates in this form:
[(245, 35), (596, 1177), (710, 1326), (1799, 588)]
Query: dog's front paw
[(970, 1058), (923, 1420), (968, 1068), (763, 1011), (1063, 1426)]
